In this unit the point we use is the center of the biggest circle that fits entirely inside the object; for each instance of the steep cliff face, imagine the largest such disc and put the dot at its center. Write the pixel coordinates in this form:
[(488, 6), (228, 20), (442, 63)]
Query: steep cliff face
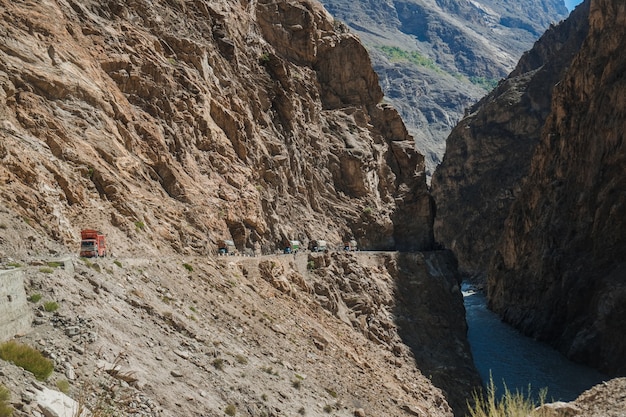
[(436, 58), (559, 273), (488, 153), (174, 124)]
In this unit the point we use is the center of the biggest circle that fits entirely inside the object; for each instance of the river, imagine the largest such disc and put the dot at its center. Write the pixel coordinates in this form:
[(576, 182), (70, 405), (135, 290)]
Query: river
[(519, 361)]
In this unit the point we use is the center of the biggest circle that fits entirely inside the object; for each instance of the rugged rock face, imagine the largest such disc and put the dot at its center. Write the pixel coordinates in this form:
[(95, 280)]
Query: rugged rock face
[(559, 272), (172, 125), (446, 54), (488, 153)]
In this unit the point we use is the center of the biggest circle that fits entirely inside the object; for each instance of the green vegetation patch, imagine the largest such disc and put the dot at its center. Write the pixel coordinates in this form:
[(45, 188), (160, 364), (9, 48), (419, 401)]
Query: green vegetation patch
[(231, 410), (27, 358), (51, 306), (510, 405), (34, 298), (396, 54), (484, 82), (5, 396)]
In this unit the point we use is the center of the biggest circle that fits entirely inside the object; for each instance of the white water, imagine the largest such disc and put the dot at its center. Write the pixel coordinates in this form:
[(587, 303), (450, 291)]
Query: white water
[(519, 361)]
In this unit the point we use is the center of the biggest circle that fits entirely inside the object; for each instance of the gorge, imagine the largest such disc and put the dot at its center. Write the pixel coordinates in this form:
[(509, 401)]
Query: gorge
[(173, 124)]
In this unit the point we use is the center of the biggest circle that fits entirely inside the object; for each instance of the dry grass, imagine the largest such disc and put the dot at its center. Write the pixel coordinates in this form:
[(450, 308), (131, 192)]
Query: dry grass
[(510, 405), (27, 358)]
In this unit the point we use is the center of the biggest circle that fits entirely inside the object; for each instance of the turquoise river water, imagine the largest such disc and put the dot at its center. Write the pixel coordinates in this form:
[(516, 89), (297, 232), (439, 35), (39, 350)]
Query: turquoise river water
[(519, 361)]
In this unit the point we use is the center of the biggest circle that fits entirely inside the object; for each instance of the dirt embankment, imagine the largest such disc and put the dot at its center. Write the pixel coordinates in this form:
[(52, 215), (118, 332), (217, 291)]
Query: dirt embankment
[(310, 334)]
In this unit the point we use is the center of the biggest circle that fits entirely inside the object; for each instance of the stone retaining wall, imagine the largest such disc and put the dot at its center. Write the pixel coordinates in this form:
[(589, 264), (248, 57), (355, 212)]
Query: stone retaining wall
[(15, 314)]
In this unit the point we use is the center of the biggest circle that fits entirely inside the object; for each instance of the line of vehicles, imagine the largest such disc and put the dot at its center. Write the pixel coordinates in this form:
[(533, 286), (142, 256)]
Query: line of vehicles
[(227, 247), (93, 244)]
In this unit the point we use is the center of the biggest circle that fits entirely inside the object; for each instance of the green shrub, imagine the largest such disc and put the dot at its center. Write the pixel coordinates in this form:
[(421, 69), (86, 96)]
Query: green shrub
[(14, 264), (139, 225), (63, 385), (54, 264), (218, 363), (46, 270), (264, 58), (27, 358), (231, 410), (241, 359), (5, 409), (188, 267), (34, 298), (118, 263), (50, 306)]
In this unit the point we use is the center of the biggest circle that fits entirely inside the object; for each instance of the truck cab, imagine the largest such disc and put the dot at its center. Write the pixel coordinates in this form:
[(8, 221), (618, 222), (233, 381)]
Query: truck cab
[(92, 244)]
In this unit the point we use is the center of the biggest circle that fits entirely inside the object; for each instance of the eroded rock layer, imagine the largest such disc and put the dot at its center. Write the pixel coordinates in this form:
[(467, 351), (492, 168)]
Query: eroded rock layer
[(175, 124)]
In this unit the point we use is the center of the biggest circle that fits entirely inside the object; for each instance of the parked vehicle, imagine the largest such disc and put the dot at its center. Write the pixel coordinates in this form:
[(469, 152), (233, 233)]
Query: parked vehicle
[(226, 247), (318, 245), (92, 244), (350, 246), (293, 247)]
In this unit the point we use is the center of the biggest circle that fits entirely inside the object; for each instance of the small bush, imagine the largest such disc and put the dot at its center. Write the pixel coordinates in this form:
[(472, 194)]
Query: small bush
[(51, 306), (5, 409), (34, 298), (296, 383), (118, 263), (54, 264), (230, 409), (264, 58), (241, 359), (46, 270), (27, 358), (188, 267), (218, 363), (63, 385), (14, 264), (510, 405), (139, 225), (328, 408)]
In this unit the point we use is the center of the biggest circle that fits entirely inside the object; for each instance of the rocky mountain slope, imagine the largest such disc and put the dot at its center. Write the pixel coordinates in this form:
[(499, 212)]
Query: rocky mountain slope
[(555, 222), (313, 334), (173, 125), (489, 151), (436, 58)]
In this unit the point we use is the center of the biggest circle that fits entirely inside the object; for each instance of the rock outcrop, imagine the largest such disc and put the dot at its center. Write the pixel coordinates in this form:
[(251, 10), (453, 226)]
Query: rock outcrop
[(436, 58), (559, 272), (488, 153), (172, 125)]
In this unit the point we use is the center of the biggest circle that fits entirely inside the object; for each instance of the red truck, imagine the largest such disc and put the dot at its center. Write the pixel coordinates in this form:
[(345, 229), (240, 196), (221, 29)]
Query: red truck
[(92, 244)]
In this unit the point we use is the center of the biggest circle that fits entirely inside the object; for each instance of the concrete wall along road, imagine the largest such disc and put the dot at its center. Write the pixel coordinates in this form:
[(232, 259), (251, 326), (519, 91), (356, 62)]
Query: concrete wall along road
[(15, 314)]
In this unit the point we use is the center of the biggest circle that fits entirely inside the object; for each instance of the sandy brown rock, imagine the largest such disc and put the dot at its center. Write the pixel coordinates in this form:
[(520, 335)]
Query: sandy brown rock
[(172, 125)]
